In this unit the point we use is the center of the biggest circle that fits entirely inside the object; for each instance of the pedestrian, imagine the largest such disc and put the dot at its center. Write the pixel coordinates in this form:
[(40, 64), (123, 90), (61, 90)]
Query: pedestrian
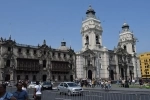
[(24, 86), (37, 91), (20, 94), (5, 95)]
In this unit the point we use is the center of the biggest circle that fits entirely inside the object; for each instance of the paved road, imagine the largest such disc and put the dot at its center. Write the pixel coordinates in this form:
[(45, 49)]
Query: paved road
[(88, 95), (91, 95)]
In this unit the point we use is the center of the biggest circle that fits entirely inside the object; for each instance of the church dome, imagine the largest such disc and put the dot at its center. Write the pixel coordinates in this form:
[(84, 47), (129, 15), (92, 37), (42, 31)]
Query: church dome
[(125, 25), (90, 10)]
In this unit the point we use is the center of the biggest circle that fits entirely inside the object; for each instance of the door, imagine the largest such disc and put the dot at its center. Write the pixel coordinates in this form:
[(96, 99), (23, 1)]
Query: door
[(112, 74), (71, 78), (44, 78), (7, 77), (89, 74)]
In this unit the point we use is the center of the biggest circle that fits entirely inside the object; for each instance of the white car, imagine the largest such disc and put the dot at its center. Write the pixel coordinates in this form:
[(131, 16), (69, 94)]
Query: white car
[(32, 85), (70, 88)]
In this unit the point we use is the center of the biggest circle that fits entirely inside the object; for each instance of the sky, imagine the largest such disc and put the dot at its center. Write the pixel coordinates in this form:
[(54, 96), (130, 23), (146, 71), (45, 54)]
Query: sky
[(32, 21)]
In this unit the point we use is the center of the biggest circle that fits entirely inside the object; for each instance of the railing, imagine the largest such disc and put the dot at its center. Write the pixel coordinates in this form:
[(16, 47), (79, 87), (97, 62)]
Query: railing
[(89, 95)]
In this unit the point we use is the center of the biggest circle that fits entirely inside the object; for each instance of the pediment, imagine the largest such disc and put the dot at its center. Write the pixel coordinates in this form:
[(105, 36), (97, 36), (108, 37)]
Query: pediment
[(121, 51), (44, 47), (88, 52)]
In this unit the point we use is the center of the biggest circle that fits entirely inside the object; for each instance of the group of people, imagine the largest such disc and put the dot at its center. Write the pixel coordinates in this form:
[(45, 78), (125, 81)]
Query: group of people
[(103, 84), (21, 92)]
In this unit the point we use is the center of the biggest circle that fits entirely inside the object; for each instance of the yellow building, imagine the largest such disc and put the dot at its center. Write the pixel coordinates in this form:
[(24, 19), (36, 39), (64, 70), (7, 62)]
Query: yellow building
[(145, 64)]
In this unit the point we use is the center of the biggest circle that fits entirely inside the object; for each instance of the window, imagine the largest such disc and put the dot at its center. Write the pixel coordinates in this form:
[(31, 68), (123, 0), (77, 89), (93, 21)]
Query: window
[(70, 56), (53, 54), (97, 40), (34, 51), (59, 78), (8, 63), (64, 55), (26, 78), (58, 54), (53, 77), (124, 47), (9, 48), (61, 84), (44, 63), (44, 52), (19, 50), (27, 50), (87, 40), (18, 77), (133, 49), (65, 77), (88, 62), (70, 66), (34, 78)]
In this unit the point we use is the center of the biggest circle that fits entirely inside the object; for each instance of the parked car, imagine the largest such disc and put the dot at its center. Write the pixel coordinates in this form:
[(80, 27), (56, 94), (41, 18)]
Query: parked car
[(32, 85), (47, 86), (70, 88)]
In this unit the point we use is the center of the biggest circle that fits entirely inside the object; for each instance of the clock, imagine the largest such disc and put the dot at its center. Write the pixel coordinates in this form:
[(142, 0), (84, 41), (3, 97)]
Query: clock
[(123, 39), (86, 27), (91, 22)]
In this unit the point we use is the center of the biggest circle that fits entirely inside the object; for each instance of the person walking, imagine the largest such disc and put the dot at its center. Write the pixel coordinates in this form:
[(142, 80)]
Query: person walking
[(37, 91), (20, 94), (24, 86), (5, 95)]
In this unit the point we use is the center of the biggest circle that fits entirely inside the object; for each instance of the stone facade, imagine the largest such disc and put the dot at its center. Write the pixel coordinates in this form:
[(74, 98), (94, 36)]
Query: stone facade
[(96, 61), (26, 62)]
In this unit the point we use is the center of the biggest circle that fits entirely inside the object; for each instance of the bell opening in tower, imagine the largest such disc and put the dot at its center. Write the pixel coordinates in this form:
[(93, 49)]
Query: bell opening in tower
[(97, 40), (87, 40), (124, 47)]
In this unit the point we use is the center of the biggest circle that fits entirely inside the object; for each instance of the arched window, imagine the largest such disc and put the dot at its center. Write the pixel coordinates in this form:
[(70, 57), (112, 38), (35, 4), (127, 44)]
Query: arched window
[(133, 49), (87, 40), (97, 39), (124, 47)]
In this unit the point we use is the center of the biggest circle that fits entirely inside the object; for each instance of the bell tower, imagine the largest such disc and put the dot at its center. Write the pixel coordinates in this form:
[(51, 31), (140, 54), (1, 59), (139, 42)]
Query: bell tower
[(91, 31), (127, 40)]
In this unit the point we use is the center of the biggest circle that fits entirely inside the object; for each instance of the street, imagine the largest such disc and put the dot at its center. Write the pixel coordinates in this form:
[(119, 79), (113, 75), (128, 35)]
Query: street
[(92, 94), (95, 95)]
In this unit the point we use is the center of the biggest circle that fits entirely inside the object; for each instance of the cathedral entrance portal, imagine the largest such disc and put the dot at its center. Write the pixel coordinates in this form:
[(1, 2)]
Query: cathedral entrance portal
[(112, 74), (122, 73), (89, 74)]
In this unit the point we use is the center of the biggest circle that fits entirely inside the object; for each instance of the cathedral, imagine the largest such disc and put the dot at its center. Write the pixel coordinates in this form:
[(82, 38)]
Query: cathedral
[(95, 61)]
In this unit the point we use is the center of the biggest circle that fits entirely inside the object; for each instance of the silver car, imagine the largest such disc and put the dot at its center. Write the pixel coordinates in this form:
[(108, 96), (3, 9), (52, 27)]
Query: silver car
[(69, 88)]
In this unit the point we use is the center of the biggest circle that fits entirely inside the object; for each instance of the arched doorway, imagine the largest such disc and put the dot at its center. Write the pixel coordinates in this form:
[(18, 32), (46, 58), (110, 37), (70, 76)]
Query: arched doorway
[(44, 77), (112, 74), (122, 73), (89, 74), (7, 77), (130, 74)]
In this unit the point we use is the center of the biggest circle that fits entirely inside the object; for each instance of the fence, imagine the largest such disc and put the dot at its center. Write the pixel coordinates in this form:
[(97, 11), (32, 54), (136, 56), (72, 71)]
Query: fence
[(90, 95)]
